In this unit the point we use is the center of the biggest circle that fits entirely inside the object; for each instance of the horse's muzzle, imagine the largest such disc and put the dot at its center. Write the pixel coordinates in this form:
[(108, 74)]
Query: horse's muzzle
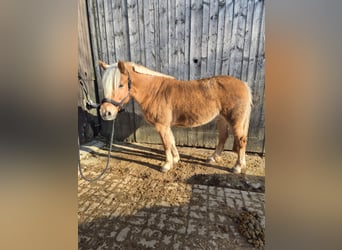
[(108, 112)]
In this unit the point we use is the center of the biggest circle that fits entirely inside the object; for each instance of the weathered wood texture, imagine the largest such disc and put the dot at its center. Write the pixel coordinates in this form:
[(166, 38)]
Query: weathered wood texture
[(85, 62), (88, 122), (188, 39)]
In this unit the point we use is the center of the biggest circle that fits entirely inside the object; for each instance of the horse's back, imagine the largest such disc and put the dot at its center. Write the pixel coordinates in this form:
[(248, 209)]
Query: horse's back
[(198, 102)]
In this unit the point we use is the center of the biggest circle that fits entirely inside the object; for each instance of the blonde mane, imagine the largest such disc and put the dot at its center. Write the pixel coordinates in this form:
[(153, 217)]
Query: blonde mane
[(143, 70), (110, 79), (111, 76)]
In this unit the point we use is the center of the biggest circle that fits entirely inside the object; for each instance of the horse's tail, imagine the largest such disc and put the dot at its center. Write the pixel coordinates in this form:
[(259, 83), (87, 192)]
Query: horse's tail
[(248, 110)]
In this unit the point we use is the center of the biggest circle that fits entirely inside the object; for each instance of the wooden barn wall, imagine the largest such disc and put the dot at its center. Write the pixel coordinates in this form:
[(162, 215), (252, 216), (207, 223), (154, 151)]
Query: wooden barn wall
[(88, 121), (188, 39)]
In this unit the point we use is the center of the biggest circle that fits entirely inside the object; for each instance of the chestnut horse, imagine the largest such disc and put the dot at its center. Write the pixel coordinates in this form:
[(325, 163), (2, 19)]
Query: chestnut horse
[(166, 102)]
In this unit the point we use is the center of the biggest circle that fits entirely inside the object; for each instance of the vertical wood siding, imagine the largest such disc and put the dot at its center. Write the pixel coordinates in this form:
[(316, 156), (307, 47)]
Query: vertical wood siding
[(88, 122), (188, 39), (85, 62)]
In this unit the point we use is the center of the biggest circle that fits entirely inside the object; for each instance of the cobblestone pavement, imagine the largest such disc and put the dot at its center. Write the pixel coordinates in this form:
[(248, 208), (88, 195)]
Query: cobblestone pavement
[(113, 214)]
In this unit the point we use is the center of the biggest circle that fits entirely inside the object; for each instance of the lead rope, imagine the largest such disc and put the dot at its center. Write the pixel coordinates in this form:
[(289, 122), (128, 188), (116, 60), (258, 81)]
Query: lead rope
[(108, 157)]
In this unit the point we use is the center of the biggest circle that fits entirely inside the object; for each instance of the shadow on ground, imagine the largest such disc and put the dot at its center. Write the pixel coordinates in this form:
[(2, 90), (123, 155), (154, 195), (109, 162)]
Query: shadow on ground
[(191, 169)]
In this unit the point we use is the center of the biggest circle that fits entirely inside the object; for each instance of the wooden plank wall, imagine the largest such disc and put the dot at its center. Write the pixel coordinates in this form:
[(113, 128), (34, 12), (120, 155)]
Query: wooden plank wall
[(188, 39), (88, 122), (85, 62)]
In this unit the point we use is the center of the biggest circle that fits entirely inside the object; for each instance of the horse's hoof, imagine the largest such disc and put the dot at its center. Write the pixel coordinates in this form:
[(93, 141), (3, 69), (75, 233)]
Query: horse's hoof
[(237, 170), (210, 159), (165, 168), (213, 159), (175, 160)]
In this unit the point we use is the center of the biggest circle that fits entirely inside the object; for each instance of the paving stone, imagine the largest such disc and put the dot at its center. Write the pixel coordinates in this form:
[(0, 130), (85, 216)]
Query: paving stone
[(148, 243), (221, 218), (115, 218), (137, 221), (162, 221), (197, 215), (123, 234), (213, 204), (211, 217), (176, 220), (203, 187), (230, 202), (191, 226), (220, 192), (212, 190), (167, 239), (199, 208)]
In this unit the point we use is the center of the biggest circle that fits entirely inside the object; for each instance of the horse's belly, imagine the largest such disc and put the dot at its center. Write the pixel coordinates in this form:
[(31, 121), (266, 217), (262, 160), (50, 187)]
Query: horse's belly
[(192, 119)]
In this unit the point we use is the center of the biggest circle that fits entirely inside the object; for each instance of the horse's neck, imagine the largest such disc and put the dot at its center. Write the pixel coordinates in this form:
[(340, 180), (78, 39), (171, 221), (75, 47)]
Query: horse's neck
[(145, 80), (143, 86)]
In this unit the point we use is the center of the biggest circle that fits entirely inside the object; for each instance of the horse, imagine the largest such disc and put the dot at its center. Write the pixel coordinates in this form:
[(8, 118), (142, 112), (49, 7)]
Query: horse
[(167, 102)]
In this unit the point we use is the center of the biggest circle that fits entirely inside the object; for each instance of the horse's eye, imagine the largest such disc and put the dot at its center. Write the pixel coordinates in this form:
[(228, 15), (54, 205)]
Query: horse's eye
[(120, 85)]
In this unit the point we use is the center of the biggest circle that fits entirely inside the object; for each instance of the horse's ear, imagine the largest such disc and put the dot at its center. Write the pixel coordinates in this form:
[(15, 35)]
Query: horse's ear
[(103, 64), (121, 66)]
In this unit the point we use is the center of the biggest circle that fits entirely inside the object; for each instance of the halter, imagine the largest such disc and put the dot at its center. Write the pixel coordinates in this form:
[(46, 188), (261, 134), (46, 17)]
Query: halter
[(91, 105), (121, 103)]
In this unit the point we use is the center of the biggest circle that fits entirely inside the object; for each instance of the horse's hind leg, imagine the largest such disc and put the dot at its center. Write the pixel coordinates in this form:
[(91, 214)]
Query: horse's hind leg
[(222, 127), (239, 147), (240, 130)]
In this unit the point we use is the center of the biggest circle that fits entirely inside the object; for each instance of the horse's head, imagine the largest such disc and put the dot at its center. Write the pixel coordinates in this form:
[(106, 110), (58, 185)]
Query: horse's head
[(116, 87)]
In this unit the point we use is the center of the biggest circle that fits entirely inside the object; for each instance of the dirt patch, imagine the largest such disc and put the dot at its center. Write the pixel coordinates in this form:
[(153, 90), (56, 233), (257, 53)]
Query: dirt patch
[(144, 161)]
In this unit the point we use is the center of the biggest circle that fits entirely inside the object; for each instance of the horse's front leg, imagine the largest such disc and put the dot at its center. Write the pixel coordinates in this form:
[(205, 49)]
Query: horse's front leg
[(174, 150), (167, 139)]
